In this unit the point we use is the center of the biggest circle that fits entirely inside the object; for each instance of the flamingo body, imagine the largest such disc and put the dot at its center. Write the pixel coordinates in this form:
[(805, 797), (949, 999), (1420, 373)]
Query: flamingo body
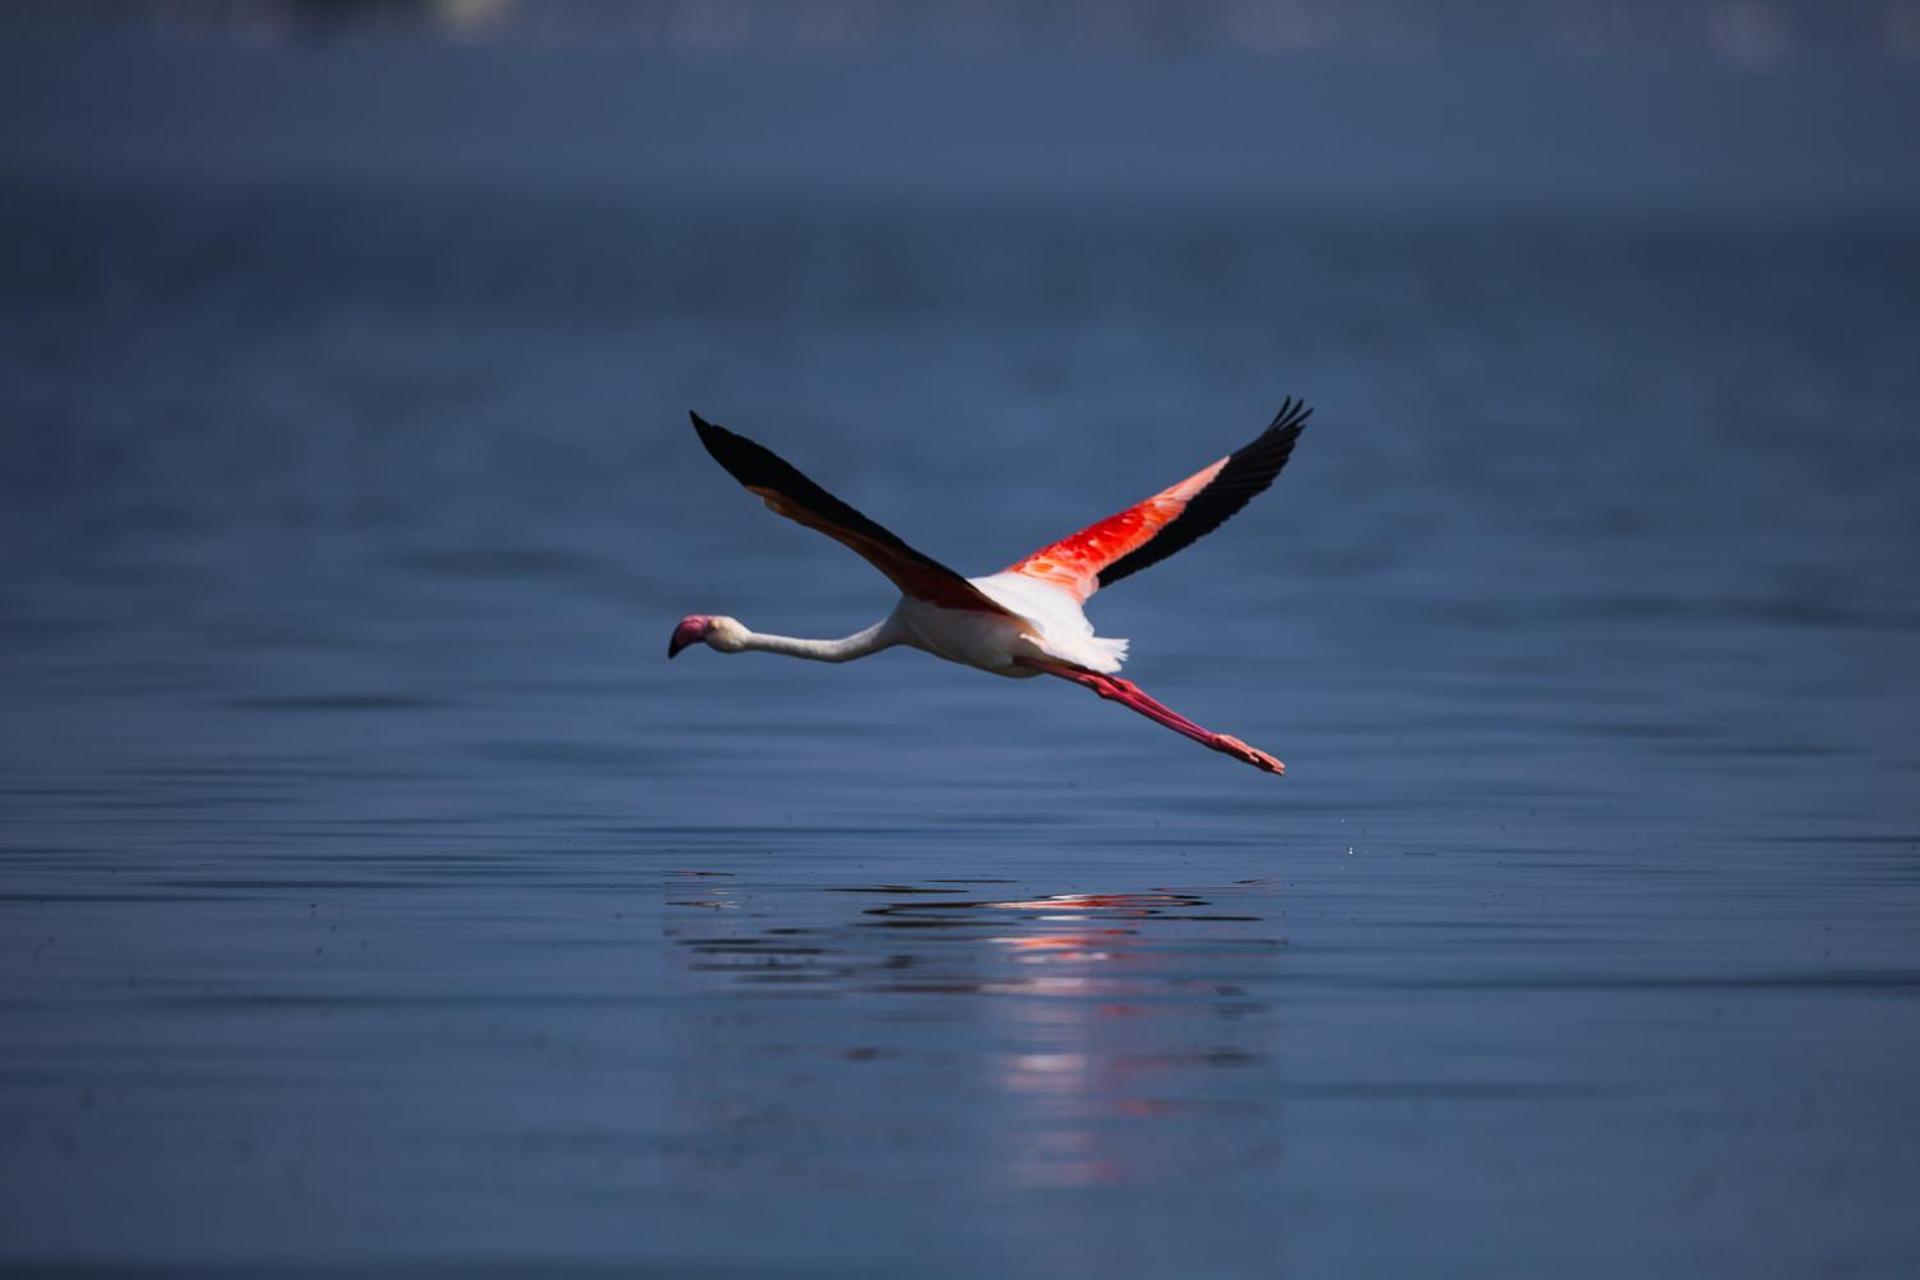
[(1036, 623), (1027, 620)]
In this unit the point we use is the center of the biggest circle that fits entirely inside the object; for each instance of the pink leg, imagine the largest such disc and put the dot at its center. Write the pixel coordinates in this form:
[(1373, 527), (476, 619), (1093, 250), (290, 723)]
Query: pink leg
[(1129, 694)]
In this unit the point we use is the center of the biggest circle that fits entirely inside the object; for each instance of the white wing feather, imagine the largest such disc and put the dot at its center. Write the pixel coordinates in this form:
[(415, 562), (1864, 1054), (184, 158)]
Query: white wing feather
[(1064, 630)]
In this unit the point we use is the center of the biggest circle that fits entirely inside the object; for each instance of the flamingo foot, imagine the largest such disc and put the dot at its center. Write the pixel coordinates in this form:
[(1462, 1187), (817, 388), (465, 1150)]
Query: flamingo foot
[(1239, 750)]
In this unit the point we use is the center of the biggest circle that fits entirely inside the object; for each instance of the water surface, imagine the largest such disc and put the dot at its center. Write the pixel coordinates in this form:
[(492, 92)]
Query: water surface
[(374, 890)]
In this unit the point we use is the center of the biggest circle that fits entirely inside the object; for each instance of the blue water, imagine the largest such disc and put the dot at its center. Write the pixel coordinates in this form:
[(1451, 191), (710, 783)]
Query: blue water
[(373, 891)]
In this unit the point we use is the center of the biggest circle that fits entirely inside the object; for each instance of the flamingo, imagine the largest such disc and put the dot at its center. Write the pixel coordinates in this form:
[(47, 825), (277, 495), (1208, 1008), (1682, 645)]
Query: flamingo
[(1027, 620)]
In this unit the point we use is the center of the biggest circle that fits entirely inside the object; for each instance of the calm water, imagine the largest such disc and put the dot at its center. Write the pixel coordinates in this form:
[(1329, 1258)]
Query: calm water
[(371, 889)]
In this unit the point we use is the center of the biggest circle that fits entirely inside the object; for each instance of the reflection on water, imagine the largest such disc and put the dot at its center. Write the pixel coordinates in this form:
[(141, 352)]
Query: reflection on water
[(1090, 1021)]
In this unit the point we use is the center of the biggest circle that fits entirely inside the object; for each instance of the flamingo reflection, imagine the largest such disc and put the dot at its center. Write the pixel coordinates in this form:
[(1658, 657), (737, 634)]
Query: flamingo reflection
[(1088, 1016)]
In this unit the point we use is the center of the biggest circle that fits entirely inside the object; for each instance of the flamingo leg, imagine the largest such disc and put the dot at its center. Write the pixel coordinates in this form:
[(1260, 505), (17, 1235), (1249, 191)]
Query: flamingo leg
[(1130, 695)]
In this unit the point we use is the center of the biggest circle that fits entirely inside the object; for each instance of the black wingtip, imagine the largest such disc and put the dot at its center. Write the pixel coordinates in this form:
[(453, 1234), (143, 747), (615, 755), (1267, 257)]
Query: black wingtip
[(1247, 472), (1292, 416), (751, 464), (717, 439)]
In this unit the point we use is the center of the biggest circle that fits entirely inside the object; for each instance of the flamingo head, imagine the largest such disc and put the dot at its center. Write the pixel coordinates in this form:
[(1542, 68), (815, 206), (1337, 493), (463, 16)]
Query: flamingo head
[(722, 633)]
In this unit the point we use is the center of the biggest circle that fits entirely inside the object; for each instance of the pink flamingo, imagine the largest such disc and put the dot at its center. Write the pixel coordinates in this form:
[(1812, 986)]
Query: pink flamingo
[(1027, 619)]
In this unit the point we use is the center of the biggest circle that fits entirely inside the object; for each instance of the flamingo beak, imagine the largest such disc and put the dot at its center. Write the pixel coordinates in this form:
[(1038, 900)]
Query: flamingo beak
[(692, 630)]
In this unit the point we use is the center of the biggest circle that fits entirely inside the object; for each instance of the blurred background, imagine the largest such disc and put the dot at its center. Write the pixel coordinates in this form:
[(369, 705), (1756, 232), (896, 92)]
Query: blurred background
[(372, 892)]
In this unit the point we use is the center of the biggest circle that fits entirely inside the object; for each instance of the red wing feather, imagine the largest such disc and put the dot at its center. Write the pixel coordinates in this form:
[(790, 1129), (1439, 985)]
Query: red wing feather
[(786, 492), (1150, 531)]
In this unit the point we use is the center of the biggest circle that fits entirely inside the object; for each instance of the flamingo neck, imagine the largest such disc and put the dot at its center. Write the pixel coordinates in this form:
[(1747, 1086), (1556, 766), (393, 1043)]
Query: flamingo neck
[(857, 645)]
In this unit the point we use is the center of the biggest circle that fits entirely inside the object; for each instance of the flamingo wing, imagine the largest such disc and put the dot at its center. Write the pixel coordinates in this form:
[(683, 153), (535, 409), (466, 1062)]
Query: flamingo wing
[(786, 492), (1148, 532)]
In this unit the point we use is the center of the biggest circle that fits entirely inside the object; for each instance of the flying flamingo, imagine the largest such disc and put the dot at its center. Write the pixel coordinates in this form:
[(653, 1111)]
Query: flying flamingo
[(1027, 619)]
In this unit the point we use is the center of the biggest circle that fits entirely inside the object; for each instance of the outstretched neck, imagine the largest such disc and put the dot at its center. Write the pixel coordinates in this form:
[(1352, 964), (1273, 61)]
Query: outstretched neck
[(858, 645)]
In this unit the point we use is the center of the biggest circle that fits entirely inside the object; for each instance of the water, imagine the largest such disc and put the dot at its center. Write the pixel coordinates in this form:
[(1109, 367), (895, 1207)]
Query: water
[(374, 891)]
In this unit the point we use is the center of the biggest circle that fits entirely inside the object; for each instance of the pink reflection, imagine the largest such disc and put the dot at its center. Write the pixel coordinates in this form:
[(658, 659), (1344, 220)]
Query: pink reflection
[(1091, 1096), (1109, 1013)]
